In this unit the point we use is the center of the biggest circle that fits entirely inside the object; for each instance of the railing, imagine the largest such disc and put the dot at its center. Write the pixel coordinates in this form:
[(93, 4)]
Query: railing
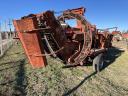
[(6, 41)]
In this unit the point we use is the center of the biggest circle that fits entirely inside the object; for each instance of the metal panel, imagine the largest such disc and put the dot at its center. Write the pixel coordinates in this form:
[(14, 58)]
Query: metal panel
[(31, 40)]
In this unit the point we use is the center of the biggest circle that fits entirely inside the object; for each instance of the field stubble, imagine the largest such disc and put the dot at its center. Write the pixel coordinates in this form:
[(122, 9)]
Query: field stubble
[(18, 78)]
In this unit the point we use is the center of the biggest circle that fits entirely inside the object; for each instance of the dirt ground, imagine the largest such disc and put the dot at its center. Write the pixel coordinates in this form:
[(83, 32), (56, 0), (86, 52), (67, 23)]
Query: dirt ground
[(18, 78)]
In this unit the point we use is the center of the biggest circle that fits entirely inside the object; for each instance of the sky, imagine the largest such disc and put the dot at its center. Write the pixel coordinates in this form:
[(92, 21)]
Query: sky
[(102, 13)]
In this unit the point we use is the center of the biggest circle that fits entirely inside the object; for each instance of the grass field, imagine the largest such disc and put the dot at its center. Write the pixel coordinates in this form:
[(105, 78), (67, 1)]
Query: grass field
[(18, 78)]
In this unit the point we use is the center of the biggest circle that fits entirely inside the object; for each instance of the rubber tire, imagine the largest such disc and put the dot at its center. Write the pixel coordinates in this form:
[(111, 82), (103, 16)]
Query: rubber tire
[(98, 63)]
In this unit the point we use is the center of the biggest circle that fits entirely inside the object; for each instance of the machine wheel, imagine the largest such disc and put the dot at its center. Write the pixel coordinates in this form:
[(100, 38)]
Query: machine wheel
[(98, 62)]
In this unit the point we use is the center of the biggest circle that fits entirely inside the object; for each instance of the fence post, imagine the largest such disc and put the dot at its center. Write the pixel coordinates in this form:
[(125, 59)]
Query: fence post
[(1, 50), (6, 35)]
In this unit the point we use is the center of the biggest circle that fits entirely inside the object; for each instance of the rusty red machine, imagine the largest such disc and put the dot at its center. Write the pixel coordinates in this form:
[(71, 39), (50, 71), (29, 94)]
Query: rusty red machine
[(45, 34)]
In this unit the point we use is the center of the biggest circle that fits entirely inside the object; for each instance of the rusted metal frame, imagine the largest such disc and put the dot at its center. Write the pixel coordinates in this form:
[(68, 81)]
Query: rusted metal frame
[(39, 30), (80, 10), (81, 53), (86, 48), (54, 52), (31, 41), (107, 29), (55, 41), (49, 46), (84, 52)]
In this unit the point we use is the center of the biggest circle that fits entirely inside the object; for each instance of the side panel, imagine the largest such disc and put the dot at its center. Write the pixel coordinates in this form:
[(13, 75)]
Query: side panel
[(31, 41)]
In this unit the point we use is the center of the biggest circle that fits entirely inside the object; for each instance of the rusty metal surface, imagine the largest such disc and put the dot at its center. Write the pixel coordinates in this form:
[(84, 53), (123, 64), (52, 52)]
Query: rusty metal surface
[(87, 39), (31, 41), (44, 34)]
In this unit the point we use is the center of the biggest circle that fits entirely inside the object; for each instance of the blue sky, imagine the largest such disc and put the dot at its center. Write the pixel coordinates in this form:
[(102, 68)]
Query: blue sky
[(103, 13)]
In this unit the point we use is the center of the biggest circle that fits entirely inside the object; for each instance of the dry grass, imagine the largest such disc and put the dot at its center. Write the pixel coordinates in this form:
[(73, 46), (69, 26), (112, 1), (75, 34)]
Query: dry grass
[(17, 78)]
